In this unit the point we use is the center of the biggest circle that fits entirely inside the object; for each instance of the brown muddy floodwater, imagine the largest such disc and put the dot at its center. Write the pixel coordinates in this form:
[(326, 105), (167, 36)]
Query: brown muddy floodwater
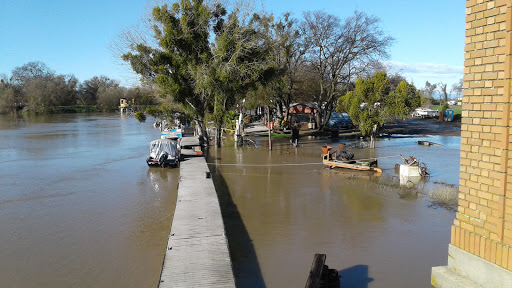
[(78, 205), (278, 217), (80, 208)]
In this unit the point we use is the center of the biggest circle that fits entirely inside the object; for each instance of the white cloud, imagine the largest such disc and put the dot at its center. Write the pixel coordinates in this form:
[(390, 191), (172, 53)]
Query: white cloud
[(419, 73)]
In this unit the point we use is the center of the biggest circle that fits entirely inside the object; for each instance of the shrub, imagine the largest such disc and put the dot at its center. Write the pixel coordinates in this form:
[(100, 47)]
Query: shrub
[(444, 194), (140, 116)]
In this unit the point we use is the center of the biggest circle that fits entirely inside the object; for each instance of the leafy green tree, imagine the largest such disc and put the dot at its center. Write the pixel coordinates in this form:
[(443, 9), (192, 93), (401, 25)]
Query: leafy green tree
[(373, 102), (402, 100), (141, 96), (241, 62), (178, 66), (204, 60), (169, 112), (140, 116)]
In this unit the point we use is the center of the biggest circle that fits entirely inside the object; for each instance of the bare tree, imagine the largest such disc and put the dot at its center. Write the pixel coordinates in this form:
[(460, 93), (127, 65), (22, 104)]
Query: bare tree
[(427, 92), (341, 51), (442, 90), (288, 59), (89, 90), (7, 95), (36, 85), (457, 89), (30, 71), (429, 89), (108, 97)]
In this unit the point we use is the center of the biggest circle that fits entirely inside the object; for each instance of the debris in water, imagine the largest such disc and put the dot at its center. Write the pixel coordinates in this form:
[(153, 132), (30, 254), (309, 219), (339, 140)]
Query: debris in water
[(428, 143)]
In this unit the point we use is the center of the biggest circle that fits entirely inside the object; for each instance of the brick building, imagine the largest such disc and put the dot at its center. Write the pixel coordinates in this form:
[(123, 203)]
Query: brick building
[(480, 252)]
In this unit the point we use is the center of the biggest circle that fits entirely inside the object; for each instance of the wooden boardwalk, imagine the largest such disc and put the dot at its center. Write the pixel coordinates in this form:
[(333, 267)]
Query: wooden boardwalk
[(197, 251)]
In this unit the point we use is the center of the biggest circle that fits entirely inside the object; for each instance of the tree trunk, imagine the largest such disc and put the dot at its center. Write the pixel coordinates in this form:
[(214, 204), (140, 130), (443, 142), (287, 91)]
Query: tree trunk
[(326, 120), (202, 132), (318, 121), (372, 136), (218, 136)]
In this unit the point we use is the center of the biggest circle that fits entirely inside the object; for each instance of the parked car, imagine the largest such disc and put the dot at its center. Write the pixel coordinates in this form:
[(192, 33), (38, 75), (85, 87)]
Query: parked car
[(340, 121)]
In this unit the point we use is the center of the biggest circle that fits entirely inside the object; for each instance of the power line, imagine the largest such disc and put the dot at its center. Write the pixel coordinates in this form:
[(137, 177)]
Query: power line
[(290, 164)]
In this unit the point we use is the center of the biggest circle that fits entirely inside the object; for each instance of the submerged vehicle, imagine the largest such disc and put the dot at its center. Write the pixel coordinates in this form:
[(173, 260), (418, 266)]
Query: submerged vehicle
[(164, 152), (340, 121)]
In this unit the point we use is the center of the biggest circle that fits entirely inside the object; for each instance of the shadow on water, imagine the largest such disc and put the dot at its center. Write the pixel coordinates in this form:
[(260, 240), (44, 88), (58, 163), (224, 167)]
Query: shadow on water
[(246, 268), (355, 277)]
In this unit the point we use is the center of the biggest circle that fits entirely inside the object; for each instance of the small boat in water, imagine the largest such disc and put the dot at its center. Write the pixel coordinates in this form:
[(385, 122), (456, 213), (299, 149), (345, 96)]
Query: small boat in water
[(164, 152), (171, 133), (331, 160)]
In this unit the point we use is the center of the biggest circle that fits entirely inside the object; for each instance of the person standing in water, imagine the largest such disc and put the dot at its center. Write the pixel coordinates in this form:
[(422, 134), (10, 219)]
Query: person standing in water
[(295, 135)]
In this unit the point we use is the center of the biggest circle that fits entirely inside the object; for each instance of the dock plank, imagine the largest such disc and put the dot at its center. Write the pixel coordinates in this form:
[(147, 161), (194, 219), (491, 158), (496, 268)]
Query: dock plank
[(197, 252)]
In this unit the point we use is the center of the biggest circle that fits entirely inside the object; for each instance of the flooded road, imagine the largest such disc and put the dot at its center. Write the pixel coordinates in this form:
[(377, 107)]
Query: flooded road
[(278, 217), (78, 205)]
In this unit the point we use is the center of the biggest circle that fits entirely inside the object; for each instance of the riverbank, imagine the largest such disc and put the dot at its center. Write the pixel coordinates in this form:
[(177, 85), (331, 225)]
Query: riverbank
[(72, 109), (409, 126), (423, 127)]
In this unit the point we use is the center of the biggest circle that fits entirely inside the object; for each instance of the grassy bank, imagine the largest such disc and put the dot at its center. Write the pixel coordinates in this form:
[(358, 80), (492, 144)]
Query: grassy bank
[(457, 111)]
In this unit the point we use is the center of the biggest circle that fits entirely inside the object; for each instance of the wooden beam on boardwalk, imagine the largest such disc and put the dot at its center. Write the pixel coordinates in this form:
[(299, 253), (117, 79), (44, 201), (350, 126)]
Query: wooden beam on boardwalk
[(197, 251), (315, 275), (321, 276)]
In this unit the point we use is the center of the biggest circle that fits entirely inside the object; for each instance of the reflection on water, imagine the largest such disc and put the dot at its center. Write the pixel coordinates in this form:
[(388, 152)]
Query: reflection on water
[(283, 215), (78, 205)]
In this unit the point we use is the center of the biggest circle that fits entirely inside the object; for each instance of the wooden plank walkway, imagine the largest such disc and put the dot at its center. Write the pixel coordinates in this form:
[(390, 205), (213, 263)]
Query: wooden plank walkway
[(197, 251)]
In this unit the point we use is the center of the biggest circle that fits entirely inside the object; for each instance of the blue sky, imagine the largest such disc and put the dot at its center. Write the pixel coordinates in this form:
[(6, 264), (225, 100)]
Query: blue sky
[(72, 37)]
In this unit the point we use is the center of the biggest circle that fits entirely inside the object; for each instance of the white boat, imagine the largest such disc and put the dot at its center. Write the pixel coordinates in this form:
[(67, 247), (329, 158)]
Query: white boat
[(425, 113), (164, 152), (171, 133)]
